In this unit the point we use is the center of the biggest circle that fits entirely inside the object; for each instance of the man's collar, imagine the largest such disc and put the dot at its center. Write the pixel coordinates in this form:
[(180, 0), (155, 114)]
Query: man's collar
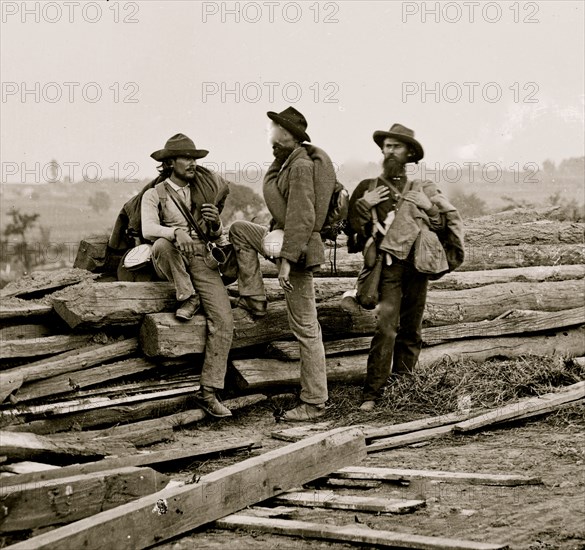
[(292, 157), (174, 185)]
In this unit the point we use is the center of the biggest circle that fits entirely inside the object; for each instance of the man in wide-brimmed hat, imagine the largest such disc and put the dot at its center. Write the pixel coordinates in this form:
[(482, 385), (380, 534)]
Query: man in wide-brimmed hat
[(410, 215), (297, 188), (179, 252)]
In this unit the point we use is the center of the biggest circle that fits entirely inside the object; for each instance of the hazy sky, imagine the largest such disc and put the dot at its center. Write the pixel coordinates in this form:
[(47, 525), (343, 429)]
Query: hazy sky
[(351, 67)]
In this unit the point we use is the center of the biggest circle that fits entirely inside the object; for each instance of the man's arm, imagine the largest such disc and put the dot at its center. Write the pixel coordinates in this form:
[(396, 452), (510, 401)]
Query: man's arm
[(151, 225), (300, 212)]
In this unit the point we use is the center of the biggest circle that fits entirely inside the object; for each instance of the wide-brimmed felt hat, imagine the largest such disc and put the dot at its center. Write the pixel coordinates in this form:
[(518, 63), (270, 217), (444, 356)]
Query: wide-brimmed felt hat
[(179, 146), (403, 134), (293, 121)]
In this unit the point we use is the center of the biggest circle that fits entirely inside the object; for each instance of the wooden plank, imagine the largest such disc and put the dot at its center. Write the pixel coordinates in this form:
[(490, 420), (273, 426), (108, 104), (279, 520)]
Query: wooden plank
[(72, 381), (91, 403), (170, 512), (289, 350), (350, 533), (24, 331), (66, 362), (60, 501), (27, 467), (300, 432), (408, 439), (403, 474), (353, 483), (143, 458), (24, 446), (260, 373), (14, 310), (46, 345), (540, 404), (416, 425), (329, 499)]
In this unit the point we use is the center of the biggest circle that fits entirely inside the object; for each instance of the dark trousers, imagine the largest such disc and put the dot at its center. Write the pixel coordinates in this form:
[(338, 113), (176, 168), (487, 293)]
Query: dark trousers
[(397, 340)]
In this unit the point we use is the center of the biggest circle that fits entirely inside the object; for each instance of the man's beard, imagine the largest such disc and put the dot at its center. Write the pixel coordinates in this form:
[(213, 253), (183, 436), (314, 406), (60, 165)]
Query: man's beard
[(391, 168), (281, 153)]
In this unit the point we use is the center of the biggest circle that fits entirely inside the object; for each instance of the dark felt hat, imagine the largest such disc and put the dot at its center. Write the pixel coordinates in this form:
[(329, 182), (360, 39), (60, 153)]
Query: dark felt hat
[(403, 134), (179, 146), (293, 121)]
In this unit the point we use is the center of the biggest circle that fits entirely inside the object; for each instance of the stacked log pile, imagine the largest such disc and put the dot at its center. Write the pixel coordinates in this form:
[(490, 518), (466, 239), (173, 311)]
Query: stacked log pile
[(92, 367)]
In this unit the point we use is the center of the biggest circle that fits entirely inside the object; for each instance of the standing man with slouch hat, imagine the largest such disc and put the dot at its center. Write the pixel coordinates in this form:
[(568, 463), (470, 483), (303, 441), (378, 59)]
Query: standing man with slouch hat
[(297, 189), (407, 211), (178, 253)]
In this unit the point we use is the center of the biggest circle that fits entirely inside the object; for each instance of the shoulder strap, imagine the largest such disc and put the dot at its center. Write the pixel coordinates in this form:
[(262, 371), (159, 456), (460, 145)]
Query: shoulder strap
[(162, 192), (371, 187), (186, 213)]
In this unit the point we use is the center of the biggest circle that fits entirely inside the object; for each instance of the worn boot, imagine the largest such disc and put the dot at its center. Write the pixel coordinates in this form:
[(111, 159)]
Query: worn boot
[(305, 412), (188, 308), (257, 308), (208, 401)]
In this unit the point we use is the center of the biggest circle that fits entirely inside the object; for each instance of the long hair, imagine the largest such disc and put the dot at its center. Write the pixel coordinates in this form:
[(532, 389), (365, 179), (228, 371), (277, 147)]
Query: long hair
[(165, 169)]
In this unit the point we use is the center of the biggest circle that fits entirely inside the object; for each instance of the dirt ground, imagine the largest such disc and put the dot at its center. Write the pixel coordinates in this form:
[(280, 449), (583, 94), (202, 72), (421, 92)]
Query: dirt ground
[(548, 516)]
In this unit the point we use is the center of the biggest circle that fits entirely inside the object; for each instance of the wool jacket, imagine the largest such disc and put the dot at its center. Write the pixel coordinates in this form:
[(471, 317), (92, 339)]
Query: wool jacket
[(297, 195), (410, 224)]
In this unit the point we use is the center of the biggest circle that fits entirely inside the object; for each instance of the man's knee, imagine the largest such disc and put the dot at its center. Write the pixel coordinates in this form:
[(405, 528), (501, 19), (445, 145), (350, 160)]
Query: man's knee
[(163, 246)]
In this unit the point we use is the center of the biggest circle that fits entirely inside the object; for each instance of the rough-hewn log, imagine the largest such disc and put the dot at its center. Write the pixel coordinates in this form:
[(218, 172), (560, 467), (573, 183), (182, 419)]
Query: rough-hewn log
[(60, 501), (517, 322), (24, 331), (149, 458), (81, 379), (177, 510), (100, 418), (260, 373), (66, 362), (45, 345), (42, 282), (163, 335), (97, 305), (476, 304), (24, 446), (477, 258), (327, 288), (510, 233), (14, 308)]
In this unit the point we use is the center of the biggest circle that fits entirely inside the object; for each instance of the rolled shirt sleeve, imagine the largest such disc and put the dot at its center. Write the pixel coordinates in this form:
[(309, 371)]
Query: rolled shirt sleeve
[(151, 224)]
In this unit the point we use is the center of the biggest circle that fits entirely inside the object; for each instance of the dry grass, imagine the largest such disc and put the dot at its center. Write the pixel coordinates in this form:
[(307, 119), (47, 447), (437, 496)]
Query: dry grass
[(445, 387)]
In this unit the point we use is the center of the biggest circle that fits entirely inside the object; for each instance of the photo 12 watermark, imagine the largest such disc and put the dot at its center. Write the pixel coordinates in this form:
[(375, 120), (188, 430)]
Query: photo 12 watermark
[(470, 92), (68, 172), (475, 172), (270, 92), (270, 12), (470, 12), (70, 92), (70, 12)]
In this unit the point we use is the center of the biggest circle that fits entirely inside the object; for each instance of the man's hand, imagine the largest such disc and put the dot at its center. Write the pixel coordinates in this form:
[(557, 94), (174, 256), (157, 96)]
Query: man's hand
[(378, 195), (284, 274), (419, 199), (184, 242), (210, 214)]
